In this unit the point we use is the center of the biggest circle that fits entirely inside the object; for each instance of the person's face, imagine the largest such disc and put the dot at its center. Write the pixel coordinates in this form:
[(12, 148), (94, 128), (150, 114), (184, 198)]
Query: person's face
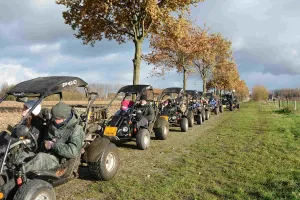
[(143, 102), (25, 110), (58, 121)]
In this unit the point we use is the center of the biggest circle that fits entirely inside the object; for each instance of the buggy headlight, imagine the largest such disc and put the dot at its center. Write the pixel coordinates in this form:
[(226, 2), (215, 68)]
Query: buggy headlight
[(125, 129)]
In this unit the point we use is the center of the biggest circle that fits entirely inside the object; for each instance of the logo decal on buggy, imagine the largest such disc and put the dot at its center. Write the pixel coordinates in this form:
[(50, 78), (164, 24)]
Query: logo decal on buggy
[(70, 83)]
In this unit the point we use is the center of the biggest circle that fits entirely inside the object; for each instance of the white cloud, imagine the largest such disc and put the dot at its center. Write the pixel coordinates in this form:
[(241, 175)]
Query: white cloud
[(15, 73), (40, 48)]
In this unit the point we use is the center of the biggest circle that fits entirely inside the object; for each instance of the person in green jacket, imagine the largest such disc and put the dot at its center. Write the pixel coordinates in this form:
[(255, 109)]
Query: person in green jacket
[(63, 139)]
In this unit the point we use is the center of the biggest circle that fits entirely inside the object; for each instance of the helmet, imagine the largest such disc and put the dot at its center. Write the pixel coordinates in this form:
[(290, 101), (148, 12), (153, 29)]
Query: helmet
[(29, 104)]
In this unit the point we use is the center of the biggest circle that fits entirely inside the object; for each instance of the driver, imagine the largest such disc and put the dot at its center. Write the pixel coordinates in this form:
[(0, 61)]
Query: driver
[(63, 139), (34, 122), (147, 112)]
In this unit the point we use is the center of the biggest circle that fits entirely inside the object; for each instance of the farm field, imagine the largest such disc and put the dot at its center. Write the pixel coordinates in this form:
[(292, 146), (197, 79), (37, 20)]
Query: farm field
[(251, 153), (10, 111)]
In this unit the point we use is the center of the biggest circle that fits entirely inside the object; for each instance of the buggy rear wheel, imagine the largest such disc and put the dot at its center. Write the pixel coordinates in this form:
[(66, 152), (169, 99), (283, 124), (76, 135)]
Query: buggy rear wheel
[(216, 110), (198, 119), (143, 139), (207, 114), (107, 166), (203, 114), (190, 117), (184, 124), (35, 190), (162, 132), (221, 109)]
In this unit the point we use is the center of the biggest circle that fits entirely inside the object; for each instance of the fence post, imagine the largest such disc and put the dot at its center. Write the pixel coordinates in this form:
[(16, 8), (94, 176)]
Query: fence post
[(295, 105), (279, 103), (287, 103)]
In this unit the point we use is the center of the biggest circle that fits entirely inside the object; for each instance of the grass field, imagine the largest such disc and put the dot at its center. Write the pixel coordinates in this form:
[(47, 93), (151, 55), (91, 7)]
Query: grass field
[(251, 153)]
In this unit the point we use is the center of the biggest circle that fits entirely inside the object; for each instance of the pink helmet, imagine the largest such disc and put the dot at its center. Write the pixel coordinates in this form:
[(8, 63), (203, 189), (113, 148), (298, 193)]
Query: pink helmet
[(125, 104)]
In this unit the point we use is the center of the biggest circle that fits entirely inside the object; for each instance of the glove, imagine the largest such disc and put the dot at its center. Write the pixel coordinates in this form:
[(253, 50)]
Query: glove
[(48, 144)]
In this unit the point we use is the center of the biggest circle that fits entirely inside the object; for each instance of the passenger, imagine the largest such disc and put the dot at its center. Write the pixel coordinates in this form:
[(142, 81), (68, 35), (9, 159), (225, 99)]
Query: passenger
[(126, 105), (63, 139)]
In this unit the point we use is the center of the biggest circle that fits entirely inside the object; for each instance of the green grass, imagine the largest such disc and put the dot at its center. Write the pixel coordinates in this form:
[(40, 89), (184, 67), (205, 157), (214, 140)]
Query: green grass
[(254, 154)]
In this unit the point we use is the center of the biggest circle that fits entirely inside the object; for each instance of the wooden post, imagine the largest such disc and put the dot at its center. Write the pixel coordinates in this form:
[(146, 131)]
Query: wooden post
[(295, 105), (279, 102)]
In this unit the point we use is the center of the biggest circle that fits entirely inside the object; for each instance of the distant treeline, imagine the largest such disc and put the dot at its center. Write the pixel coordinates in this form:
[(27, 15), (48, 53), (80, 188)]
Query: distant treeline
[(286, 93)]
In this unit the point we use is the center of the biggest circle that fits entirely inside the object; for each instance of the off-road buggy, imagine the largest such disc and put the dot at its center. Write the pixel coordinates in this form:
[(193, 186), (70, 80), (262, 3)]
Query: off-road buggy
[(98, 154), (173, 106), (122, 126), (230, 102), (214, 103), (206, 105), (196, 105)]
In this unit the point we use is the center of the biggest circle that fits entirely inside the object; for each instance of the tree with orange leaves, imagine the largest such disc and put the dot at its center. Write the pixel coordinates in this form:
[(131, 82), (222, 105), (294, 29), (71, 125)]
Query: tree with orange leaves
[(174, 48), (122, 19), (206, 61)]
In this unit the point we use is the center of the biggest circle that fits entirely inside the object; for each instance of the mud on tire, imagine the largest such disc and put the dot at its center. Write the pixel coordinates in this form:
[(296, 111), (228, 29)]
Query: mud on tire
[(35, 189), (108, 164)]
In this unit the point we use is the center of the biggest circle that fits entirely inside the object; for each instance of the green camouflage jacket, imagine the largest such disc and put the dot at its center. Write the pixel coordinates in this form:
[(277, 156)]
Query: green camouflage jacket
[(68, 139)]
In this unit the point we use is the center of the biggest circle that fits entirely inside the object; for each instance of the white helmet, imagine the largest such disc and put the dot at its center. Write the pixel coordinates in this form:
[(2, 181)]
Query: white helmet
[(29, 104)]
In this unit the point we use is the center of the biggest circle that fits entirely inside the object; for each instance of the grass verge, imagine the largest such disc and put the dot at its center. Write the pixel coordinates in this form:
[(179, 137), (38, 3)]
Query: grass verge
[(254, 154)]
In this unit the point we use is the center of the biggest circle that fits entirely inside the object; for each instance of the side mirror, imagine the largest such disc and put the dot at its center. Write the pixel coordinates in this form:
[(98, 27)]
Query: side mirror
[(22, 131)]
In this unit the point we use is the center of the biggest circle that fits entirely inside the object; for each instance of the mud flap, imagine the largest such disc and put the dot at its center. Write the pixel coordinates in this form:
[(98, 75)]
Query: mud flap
[(95, 149)]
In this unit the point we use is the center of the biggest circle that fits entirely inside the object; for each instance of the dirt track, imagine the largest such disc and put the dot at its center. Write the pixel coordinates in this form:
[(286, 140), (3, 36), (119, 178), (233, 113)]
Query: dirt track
[(140, 163)]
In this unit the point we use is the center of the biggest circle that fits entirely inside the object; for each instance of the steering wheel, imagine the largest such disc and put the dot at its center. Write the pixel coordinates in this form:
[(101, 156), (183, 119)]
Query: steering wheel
[(23, 131), (35, 147)]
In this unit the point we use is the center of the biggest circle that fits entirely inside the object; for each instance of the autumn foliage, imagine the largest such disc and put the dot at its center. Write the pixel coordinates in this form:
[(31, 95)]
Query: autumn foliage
[(260, 93), (122, 20)]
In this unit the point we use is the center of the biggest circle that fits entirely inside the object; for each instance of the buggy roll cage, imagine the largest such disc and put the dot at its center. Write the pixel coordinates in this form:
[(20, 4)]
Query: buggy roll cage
[(43, 90), (43, 87), (133, 89), (172, 90)]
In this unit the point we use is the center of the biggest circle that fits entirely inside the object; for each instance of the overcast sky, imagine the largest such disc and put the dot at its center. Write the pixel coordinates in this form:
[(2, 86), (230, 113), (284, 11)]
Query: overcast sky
[(34, 41)]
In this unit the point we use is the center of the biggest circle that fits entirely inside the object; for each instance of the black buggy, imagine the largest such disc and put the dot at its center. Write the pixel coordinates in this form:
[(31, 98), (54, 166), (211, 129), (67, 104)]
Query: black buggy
[(173, 106), (230, 102), (122, 126), (98, 153), (214, 103), (196, 105)]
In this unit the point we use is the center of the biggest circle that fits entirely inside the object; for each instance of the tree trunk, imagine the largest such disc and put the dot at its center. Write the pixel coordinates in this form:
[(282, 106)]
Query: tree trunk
[(204, 84), (184, 79), (137, 61)]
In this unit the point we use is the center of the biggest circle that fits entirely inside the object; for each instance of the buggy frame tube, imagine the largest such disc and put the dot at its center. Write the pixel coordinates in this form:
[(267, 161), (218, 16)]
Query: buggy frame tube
[(4, 158), (3, 98)]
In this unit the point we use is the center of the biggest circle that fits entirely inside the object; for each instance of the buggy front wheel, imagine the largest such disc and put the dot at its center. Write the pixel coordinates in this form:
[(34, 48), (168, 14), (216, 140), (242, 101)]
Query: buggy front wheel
[(35, 190), (143, 139), (107, 166)]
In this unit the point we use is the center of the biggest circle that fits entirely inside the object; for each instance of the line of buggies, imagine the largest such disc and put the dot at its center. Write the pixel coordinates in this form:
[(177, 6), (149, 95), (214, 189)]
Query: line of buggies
[(102, 131)]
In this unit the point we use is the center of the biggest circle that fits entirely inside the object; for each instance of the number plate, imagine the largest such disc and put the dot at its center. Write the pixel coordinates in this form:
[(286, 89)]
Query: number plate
[(110, 131)]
